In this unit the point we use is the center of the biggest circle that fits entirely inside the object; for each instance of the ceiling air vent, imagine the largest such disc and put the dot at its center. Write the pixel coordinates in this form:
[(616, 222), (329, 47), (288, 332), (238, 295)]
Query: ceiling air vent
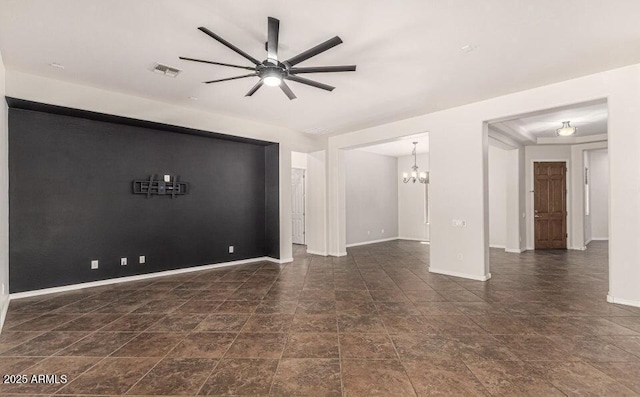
[(166, 70)]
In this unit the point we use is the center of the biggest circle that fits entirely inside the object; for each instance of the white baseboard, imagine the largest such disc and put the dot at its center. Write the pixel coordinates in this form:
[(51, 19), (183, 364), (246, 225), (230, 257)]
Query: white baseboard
[(275, 260), (326, 253), (599, 239), (619, 301), (497, 246), (413, 239), (588, 241), (458, 274), (138, 277), (577, 248), (372, 242), (513, 251)]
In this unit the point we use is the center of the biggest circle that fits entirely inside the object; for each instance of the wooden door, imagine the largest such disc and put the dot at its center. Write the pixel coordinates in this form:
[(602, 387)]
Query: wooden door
[(297, 205), (550, 205)]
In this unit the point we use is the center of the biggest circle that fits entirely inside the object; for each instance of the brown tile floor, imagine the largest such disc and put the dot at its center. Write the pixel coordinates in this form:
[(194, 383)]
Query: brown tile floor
[(374, 323)]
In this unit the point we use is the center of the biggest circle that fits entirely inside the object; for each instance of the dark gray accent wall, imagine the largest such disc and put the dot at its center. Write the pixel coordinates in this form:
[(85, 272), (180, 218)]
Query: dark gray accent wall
[(71, 201), (272, 195)]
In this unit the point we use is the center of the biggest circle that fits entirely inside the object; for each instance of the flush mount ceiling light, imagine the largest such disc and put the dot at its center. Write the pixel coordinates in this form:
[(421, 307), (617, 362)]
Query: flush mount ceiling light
[(566, 129), (415, 176), (272, 71)]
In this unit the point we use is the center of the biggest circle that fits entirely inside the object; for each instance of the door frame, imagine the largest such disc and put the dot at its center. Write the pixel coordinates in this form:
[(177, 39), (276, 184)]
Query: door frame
[(304, 205), (531, 228)]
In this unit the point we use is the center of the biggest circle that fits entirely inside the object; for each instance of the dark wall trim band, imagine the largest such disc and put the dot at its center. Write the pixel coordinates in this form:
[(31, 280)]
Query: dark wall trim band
[(17, 103)]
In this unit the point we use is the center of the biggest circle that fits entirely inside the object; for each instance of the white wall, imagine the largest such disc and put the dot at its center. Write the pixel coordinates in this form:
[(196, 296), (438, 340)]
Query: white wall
[(299, 160), (4, 200), (498, 169), (516, 201), (599, 184), (545, 153), (316, 214), (412, 224), (371, 197)]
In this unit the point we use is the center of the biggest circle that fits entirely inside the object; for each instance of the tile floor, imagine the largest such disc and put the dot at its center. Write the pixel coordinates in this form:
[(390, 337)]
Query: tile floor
[(374, 323)]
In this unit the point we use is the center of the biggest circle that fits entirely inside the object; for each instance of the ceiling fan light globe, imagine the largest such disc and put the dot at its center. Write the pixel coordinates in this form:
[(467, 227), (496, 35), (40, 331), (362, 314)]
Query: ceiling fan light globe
[(272, 81)]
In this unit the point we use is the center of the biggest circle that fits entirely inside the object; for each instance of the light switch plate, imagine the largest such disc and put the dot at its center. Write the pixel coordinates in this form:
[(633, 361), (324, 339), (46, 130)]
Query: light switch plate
[(142, 259), (231, 249), (123, 261), (167, 178), (94, 264)]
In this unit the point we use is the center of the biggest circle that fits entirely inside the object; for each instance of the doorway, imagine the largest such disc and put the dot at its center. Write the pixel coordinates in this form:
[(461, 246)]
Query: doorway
[(297, 205), (550, 205)]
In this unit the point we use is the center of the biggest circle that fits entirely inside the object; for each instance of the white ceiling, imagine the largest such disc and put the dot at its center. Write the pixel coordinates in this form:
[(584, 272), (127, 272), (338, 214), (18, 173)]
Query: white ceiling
[(400, 147), (409, 53), (589, 119)]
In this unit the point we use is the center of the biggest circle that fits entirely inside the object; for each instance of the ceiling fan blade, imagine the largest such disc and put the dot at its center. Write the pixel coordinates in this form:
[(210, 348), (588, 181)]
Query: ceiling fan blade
[(324, 69), (231, 78), (287, 91), (311, 52), (217, 63), (312, 83), (272, 38), (255, 88), (228, 45)]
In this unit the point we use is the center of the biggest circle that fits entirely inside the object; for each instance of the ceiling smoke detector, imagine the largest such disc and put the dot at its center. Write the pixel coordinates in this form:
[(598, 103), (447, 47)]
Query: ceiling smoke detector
[(166, 70)]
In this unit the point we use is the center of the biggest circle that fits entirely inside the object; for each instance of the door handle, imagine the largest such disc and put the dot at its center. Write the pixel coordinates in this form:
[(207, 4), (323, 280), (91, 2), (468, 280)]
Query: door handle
[(536, 216)]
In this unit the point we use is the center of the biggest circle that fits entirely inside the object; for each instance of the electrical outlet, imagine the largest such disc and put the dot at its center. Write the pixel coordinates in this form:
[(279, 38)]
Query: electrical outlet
[(382, 231), (123, 261), (231, 249), (142, 259), (368, 232), (460, 256), (94, 264)]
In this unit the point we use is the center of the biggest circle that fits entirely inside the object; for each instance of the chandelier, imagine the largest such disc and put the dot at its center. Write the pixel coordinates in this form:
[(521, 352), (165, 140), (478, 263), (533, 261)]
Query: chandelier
[(415, 176)]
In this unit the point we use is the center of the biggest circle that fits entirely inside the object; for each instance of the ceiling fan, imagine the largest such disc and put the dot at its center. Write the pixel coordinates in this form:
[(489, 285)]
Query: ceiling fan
[(272, 71)]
